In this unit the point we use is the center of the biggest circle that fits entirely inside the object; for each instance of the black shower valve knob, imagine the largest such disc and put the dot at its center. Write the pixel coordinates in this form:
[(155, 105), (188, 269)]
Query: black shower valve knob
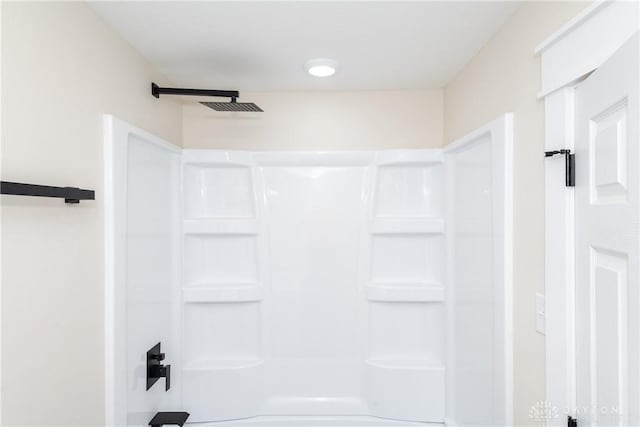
[(155, 368)]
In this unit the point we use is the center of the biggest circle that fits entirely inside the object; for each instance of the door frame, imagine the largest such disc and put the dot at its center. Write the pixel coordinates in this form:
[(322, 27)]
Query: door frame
[(567, 57)]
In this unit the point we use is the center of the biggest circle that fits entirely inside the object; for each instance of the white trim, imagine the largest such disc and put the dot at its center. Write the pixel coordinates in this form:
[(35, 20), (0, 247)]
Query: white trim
[(0, 230), (572, 24), (568, 56), (507, 128), (585, 42), (116, 136), (501, 133), (559, 254)]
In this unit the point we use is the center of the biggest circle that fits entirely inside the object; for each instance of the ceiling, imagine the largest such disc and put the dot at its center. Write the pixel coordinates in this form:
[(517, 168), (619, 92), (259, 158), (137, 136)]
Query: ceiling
[(263, 45)]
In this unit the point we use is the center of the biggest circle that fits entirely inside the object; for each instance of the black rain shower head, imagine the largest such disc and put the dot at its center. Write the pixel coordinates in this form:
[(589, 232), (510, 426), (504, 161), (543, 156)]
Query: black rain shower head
[(233, 105)]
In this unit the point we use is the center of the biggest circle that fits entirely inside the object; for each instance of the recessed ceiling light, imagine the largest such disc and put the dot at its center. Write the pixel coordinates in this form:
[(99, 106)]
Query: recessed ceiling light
[(321, 67)]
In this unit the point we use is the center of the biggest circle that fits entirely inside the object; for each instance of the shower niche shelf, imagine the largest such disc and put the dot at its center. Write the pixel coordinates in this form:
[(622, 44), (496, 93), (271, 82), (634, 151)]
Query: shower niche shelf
[(405, 290), (406, 331), (409, 190), (223, 390), (413, 382), (407, 257), (225, 332), (220, 258), (217, 191), (222, 289)]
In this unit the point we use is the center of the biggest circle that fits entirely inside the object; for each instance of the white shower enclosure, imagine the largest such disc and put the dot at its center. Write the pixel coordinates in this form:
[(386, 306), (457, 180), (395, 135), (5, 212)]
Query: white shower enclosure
[(302, 288)]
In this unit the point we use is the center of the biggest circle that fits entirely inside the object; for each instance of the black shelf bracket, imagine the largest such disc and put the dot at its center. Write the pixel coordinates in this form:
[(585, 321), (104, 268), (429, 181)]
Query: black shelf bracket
[(169, 419), (70, 195), (569, 165)]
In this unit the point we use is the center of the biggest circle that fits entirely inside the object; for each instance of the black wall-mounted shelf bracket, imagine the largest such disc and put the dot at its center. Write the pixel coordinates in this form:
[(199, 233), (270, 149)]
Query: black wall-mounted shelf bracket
[(569, 165), (69, 194)]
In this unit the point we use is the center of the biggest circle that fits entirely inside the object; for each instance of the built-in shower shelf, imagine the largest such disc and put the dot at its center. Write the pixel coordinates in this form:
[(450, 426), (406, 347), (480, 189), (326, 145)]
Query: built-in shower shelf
[(405, 292), (223, 293), (407, 225), (220, 259), (220, 226), (222, 365), (419, 391)]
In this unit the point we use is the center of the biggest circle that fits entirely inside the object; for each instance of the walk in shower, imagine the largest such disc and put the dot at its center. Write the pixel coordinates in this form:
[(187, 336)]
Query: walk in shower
[(310, 288)]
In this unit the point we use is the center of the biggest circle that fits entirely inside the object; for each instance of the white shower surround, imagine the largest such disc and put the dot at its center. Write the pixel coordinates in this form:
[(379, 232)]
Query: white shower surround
[(371, 283)]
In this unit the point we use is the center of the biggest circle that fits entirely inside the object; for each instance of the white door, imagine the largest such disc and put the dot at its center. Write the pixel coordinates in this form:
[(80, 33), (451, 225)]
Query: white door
[(607, 242)]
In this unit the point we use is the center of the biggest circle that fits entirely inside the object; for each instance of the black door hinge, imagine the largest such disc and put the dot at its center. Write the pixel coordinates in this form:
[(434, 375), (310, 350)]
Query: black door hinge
[(572, 422), (569, 165)]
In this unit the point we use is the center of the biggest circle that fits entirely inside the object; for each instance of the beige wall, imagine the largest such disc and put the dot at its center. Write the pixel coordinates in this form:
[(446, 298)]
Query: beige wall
[(62, 69), (321, 121), (505, 76)]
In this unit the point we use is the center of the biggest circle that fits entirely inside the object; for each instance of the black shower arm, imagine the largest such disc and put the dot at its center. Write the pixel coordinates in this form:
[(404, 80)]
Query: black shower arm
[(157, 91)]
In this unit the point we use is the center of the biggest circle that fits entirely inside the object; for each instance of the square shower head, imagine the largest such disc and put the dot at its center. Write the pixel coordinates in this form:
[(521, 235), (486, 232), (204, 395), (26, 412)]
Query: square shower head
[(233, 106)]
